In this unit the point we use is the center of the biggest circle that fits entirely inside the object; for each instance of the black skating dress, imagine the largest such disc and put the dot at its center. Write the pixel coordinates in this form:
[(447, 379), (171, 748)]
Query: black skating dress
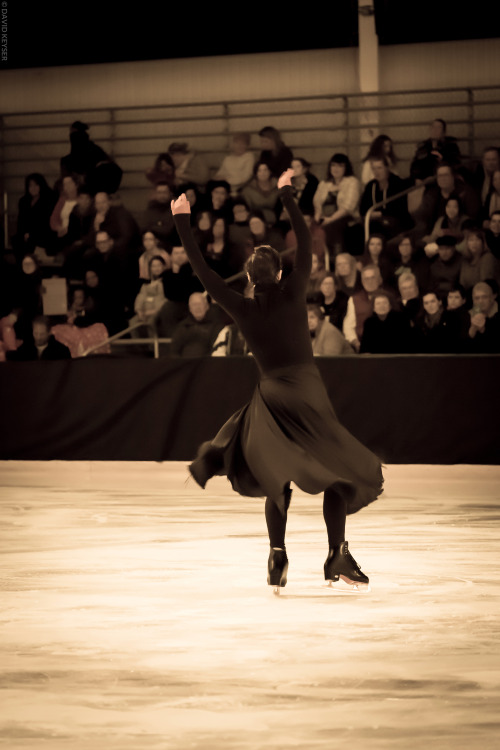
[(288, 432)]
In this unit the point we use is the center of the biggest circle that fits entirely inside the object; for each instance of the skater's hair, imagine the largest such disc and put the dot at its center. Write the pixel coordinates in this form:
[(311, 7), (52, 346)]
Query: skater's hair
[(263, 265)]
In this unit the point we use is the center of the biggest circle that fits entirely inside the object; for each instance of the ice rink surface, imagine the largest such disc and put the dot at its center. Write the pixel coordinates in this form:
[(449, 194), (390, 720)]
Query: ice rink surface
[(135, 614)]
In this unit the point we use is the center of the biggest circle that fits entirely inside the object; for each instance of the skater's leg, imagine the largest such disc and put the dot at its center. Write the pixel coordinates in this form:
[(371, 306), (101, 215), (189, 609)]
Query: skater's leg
[(277, 565), (340, 564)]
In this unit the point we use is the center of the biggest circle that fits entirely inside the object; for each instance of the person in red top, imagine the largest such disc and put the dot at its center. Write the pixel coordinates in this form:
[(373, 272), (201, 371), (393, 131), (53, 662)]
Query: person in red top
[(289, 431)]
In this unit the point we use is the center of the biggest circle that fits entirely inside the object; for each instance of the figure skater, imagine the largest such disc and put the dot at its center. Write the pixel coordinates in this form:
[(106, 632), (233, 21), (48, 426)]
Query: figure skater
[(288, 432)]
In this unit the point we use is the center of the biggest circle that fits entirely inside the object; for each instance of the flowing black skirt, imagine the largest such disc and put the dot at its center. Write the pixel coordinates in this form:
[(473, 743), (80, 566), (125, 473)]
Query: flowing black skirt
[(289, 433)]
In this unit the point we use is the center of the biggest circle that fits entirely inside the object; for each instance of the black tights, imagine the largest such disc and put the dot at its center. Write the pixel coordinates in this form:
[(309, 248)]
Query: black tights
[(334, 513)]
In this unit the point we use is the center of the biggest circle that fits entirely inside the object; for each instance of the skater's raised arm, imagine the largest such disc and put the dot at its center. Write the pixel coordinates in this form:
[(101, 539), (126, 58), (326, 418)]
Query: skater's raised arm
[(212, 282), (303, 255)]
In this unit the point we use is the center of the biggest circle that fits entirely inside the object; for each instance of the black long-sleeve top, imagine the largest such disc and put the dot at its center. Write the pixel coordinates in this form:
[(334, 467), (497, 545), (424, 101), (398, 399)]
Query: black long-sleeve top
[(274, 323)]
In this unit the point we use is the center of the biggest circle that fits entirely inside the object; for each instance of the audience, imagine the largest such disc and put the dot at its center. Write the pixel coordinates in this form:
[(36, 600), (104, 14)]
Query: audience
[(41, 345), (418, 277), (326, 339)]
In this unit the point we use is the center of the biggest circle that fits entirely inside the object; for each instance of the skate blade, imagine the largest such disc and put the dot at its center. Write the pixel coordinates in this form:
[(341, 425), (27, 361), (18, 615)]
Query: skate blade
[(343, 587)]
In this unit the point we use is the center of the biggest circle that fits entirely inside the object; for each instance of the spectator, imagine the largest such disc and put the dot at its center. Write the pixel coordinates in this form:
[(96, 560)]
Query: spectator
[(380, 148), (336, 202), (492, 235), (438, 148), (8, 339), (492, 202), (151, 249), (304, 184), (179, 283), (162, 171), (219, 201), (150, 299), (237, 167), (392, 218), (89, 162), (448, 183), (59, 219), (41, 345), (239, 232), (444, 271), (326, 339), (220, 254), (409, 301), (81, 331), (230, 341), (481, 177), (158, 216), (80, 235), (333, 301), (347, 275), (431, 327), (478, 263), (101, 305), (190, 166), (386, 330), (376, 254), (261, 193), (112, 217), (452, 222), (371, 281), (274, 152), (262, 234), (35, 208), (484, 329), (113, 279), (195, 335), (315, 279), (27, 296), (458, 314), (413, 260)]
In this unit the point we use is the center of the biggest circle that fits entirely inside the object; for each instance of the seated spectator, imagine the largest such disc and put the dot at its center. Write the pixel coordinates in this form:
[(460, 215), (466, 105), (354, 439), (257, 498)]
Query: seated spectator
[(151, 248), (230, 341), (261, 193), (444, 271), (190, 166), (27, 296), (112, 217), (326, 339), (336, 202), (149, 300), (237, 167), (448, 183), (438, 148), (158, 217), (263, 234), (239, 232), (481, 176), (380, 148), (195, 335), (80, 235), (179, 283), (101, 304), (113, 278), (393, 217), (304, 184), (437, 330), (220, 254), (458, 314), (484, 329), (492, 235), (274, 152), (59, 219), (451, 223), (409, 301), (347, 275), (219, 201), (162, 171), (361, 301), (315, 279), (89, 162), (386, 330), (376, 254), (81, 332), (492, 202), (8, 338), (333, 301), (413, 260), (478, 263), (35, 208), (41, 345)]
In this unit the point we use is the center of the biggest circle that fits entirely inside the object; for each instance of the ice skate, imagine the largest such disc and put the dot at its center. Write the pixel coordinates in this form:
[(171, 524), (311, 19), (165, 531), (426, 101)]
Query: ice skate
[(277, 567), (342, 572)]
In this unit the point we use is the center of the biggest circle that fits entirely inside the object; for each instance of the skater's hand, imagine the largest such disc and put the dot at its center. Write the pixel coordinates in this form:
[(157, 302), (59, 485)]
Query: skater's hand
[(286, 178), (181, 205)]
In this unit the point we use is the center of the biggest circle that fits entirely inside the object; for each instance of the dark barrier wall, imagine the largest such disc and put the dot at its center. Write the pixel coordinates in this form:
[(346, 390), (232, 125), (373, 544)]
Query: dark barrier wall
[(426, 409)]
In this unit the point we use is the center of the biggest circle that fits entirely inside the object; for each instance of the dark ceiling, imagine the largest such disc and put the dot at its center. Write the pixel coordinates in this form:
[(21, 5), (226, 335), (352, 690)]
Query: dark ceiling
[(87, 32)]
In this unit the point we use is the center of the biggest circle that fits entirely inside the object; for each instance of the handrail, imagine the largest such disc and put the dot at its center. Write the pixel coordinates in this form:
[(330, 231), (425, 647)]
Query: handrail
[(427, 181), (155, 340)]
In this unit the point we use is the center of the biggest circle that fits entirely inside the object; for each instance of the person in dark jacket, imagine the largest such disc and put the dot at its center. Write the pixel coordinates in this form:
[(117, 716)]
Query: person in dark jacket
[(42, 346), (195, 335), (386, 331)]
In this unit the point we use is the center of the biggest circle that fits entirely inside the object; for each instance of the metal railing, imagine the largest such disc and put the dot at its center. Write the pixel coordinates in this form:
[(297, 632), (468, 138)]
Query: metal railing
[(117, 339), (382, 204)]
